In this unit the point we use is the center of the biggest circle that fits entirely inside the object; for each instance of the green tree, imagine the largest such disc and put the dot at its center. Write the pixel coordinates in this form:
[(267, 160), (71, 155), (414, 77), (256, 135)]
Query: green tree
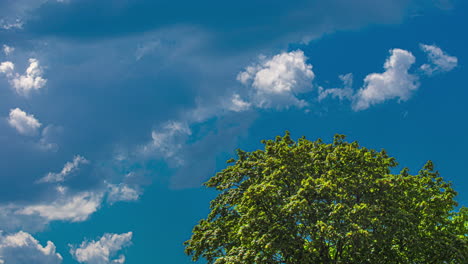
[(312, 202)]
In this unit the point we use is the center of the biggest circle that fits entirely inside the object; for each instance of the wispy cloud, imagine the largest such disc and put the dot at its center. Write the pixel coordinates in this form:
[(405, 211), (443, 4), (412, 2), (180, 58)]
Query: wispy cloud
[(439, 61), (346, 92), (13, 24), (75, 208), (121, 192), (166, 141), (7, 49), (65, 205), (49, 137), (146, 48), (68, 168)]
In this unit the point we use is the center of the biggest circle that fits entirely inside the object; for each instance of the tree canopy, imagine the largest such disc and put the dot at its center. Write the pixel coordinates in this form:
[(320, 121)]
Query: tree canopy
[(313, 202)]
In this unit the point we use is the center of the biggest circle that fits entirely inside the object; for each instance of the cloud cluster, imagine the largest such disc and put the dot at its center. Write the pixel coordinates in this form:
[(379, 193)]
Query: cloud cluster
[(277, 81), (63, 202), (104, 250), (23, 84), (396, 82), (22, 248)]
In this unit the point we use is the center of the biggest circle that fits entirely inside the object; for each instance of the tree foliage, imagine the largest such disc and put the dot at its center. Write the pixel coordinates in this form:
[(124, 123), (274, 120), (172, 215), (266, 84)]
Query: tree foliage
[(312, 202)]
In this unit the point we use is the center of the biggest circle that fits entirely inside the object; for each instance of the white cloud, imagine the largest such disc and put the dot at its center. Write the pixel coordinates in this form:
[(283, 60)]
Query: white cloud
[(8, 50), (23, 84), (395, 82), (439, 60), (68, 168), (277, 81), (24, 123), (121, 192), (31, 80), (65, 206), (165, 142), (342, 93), (22, 248), (236, 104), (74, 208), (7, 67), (104, 250)]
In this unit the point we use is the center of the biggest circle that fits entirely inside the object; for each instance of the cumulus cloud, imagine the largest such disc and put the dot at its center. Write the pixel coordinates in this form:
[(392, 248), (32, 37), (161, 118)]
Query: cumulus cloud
[(75, 208), (121, 192), (342, 93), (277, 81), (439, 60), (24, 83), (394, 82), (24, 123), (68, 168), (104, 250), (7, 67), (31, 80), (22, 248), (7, 49)]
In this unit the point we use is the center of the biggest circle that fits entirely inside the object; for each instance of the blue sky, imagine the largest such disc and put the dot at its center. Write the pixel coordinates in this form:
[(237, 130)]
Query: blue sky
[(113, 113)]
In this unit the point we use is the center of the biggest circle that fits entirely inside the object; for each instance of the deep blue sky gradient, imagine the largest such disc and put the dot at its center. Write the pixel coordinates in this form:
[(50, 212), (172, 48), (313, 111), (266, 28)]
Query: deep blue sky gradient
[(103, 99)]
